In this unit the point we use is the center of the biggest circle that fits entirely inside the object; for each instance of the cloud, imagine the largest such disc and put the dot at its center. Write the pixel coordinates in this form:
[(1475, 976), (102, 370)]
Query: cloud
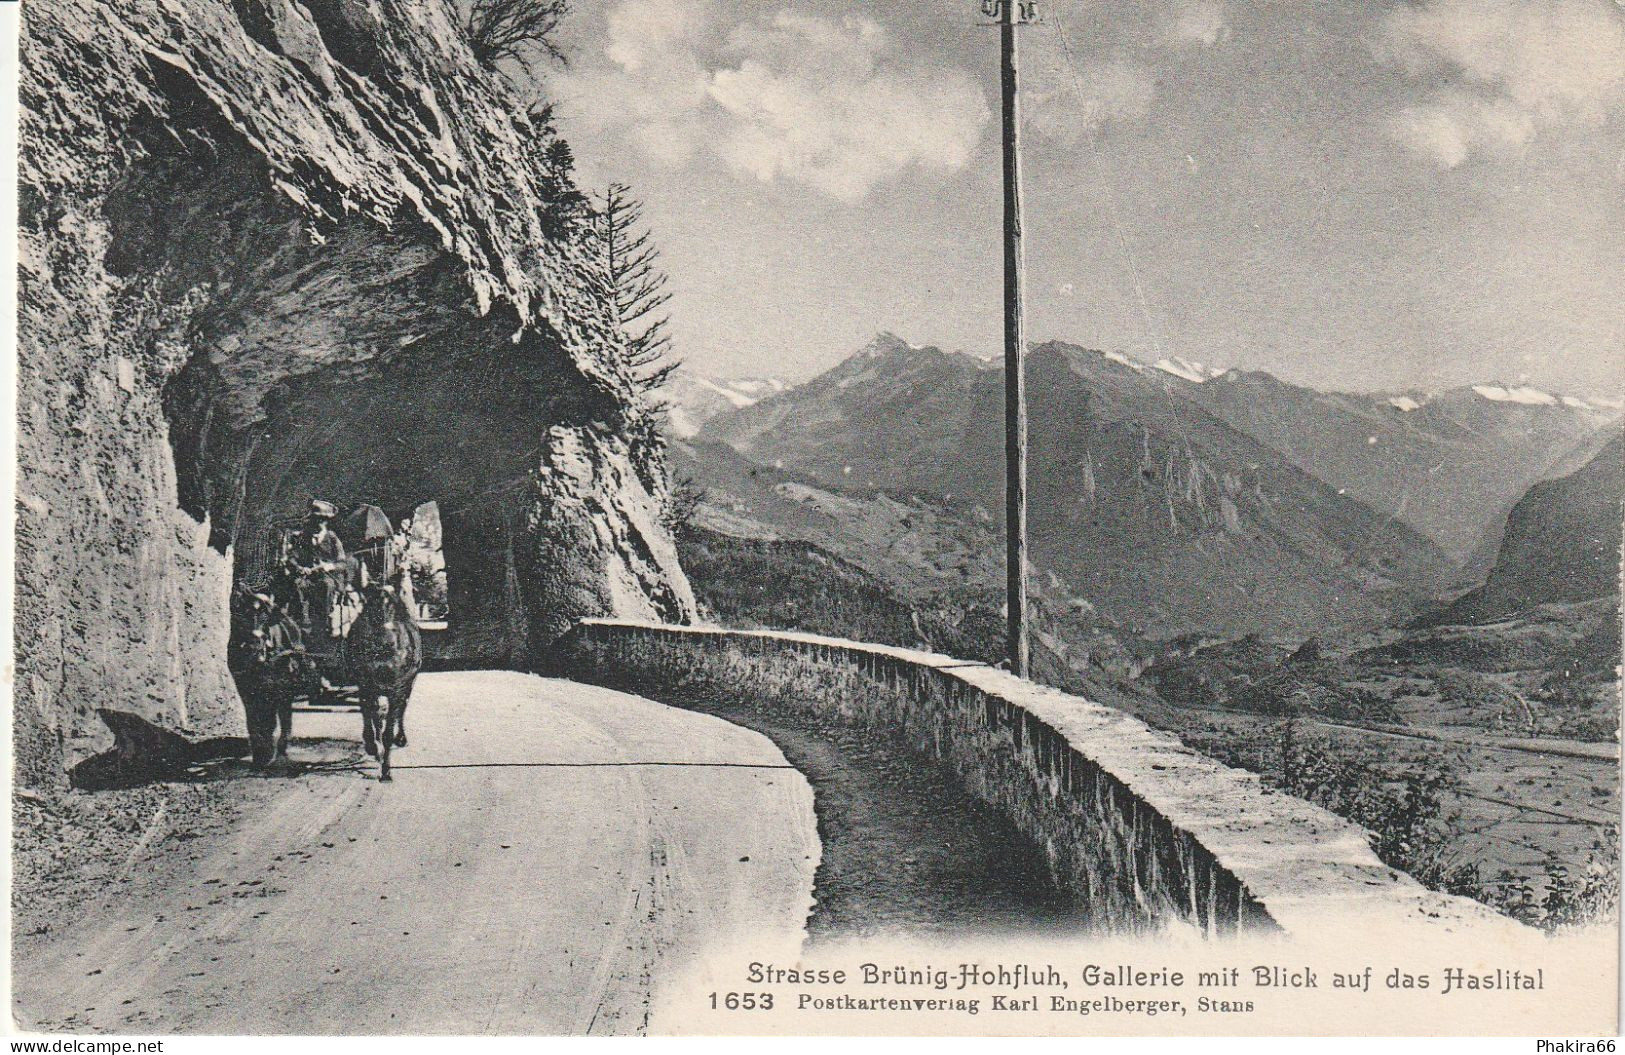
[(1510, 70), (826, 103), (1072, 93), (1456, 125), (1198, 22), (1066, 107)]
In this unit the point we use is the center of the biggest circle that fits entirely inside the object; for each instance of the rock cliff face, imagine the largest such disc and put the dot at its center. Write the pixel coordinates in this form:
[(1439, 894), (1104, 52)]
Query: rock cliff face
[(1562, 544), (271, 250)]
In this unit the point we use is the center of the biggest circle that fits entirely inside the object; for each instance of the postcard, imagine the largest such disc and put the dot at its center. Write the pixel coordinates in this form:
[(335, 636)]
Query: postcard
[(706, 517)]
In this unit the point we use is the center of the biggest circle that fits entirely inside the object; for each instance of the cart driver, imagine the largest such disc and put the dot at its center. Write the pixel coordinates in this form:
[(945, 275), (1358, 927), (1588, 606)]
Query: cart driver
[(318, 565)]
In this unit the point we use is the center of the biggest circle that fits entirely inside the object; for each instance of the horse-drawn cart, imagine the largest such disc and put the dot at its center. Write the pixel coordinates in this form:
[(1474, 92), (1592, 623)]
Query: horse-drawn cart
[(318, 615), (323, 601)]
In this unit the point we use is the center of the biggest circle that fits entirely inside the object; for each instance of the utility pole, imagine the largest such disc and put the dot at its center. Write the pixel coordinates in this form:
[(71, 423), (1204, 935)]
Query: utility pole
[(1010, 15)]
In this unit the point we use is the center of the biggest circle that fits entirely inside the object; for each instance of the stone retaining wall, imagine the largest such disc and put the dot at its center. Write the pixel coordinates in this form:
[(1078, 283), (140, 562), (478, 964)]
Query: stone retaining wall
[(1145, 831)]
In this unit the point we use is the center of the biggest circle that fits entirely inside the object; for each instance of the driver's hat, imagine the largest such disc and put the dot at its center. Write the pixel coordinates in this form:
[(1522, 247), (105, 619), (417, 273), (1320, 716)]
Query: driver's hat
[(323, 510)]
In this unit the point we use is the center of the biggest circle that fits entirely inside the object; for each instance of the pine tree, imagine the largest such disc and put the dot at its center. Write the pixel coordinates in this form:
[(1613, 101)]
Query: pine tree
[(636, 286), (563, 210)]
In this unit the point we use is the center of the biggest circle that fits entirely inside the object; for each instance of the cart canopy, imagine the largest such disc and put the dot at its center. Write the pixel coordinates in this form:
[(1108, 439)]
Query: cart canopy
[(363, 526)]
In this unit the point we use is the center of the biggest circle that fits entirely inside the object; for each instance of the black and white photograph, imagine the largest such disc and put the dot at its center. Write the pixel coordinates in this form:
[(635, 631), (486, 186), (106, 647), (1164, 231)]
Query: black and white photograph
[(564, 518)]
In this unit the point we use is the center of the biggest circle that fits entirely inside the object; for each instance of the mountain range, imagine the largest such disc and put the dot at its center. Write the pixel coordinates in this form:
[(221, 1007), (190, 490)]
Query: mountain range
[(1151, 510), (1165, 498), (1448, 464)]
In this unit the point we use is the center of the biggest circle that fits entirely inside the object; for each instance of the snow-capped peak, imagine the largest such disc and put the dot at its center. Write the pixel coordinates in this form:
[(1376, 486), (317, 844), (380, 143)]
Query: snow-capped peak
[(1119, 357), (1185, 369), (759, 388), (1520, 394), (731, 392), (1524, 395), (1188, 369), (1116, 357), (884, 342), (695, 398)]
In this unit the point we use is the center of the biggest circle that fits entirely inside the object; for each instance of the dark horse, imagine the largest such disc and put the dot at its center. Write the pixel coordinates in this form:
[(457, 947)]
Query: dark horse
[(267, 660), (383, 652)]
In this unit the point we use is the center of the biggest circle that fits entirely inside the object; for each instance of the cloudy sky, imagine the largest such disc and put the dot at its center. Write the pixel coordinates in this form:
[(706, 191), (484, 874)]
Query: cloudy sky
[(1356, 195)]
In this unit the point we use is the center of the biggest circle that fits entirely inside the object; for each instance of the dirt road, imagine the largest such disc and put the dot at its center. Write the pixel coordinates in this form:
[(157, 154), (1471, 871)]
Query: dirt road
[(547, 853)]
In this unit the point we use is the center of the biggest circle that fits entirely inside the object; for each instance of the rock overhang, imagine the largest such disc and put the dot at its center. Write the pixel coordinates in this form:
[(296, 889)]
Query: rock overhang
[(382, 215)]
